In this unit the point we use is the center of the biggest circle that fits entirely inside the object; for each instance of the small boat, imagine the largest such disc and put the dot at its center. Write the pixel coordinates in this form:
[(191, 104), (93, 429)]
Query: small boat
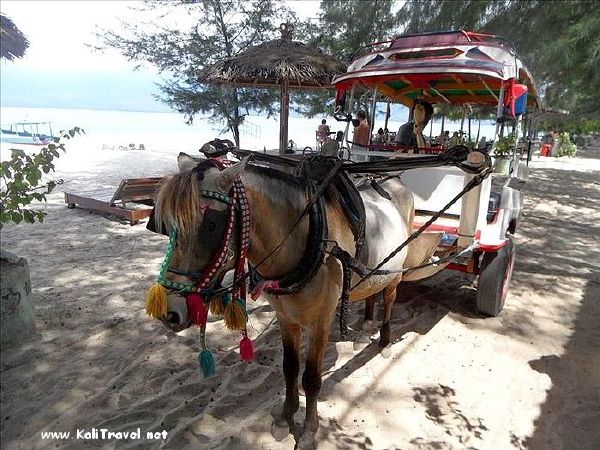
[(27, 133)]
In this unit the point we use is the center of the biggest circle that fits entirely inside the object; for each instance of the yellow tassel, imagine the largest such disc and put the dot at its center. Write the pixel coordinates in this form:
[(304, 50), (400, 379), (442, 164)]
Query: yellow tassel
[(156, 302), (216, 306), (235, 316)]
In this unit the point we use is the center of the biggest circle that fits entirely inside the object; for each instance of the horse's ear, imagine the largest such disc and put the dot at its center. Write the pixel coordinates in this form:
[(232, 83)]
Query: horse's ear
[(227, 176), (186, 162)]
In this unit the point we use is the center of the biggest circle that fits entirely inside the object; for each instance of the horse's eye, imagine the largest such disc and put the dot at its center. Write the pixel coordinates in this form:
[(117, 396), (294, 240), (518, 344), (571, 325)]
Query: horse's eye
[(211, 226)]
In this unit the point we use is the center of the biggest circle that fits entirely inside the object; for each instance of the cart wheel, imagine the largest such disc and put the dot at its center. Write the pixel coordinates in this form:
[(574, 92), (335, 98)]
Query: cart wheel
[(71, 205), (494, 279)]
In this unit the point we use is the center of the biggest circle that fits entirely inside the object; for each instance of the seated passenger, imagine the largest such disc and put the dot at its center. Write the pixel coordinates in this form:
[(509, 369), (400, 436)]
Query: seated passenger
[(323, 131), (406, 136), (379, 137)]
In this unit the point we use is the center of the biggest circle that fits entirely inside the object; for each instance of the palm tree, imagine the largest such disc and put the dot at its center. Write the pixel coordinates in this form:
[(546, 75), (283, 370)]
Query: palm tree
[(13, 42)]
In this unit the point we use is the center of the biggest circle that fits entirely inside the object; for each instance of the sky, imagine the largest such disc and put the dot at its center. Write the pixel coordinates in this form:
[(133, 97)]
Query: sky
[(60, 70)]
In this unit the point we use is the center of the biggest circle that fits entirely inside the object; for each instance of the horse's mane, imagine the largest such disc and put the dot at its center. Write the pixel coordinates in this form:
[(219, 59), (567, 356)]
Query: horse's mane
[(179, 199)]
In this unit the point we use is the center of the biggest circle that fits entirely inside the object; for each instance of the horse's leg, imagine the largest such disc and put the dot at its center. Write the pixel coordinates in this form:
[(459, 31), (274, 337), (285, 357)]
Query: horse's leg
[(290, 337), (362, 339), (311, 381), (319, 338), (369, 312), (389, 296)]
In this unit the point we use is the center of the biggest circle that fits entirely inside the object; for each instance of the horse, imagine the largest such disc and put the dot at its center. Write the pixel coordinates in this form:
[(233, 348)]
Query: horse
[(275, 200)]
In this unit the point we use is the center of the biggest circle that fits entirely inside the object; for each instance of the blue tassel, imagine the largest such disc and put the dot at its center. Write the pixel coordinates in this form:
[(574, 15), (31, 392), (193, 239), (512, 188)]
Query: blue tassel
[(207, 363), (226, 299)]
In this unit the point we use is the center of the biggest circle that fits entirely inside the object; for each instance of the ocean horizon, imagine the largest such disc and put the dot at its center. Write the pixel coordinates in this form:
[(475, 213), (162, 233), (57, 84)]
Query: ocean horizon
[(167, 131)]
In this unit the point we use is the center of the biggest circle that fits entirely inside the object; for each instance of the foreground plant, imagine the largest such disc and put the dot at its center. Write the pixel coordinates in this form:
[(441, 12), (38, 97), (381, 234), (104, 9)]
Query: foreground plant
[(22, 180)]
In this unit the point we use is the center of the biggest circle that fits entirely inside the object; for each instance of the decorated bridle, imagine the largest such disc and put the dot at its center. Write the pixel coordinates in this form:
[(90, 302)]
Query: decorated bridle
[(199, 296)]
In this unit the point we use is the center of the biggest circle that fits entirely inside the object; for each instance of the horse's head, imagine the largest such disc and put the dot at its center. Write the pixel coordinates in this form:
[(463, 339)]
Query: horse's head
[(194, 209)]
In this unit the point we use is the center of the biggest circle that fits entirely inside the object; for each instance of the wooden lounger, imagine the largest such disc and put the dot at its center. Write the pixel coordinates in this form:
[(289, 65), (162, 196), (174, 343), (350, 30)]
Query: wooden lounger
[(132, 190)]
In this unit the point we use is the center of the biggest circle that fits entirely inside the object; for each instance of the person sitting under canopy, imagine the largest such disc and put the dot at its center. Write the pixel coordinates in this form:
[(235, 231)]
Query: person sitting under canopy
[(323, 131), (410, 134)]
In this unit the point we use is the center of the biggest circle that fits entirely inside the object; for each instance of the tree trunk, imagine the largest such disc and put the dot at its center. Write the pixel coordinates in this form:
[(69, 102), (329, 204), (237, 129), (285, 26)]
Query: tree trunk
[(387, 115), (17, 323)]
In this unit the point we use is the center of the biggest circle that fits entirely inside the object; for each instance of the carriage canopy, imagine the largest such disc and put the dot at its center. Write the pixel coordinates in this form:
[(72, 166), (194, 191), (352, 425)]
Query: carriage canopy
[(444, 67)]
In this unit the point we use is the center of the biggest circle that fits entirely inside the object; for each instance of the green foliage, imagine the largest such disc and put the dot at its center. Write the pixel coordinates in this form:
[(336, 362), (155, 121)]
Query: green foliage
[(220, 30), (505, 145), (562, 122), (344, 27), (566, 147), (22, 181), (347, 25)]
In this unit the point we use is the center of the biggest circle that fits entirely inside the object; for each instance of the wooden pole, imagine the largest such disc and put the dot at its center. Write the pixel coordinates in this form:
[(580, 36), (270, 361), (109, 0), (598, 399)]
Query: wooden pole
[(283, 117)]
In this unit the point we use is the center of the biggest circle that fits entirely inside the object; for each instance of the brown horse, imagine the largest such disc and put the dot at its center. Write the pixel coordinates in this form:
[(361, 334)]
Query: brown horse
[(275, 201)]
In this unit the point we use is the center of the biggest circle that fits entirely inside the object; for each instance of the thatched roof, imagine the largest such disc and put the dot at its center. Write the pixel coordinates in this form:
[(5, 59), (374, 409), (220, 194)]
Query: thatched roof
[(13, 43), (273, 62)]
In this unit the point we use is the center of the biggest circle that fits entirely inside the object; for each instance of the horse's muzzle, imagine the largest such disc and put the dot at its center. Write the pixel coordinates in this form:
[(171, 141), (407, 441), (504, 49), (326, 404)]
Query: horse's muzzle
[(176, 318)]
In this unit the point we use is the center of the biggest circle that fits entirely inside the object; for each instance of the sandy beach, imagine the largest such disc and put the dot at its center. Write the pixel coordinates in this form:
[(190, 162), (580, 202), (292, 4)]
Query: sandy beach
[(528, 379)]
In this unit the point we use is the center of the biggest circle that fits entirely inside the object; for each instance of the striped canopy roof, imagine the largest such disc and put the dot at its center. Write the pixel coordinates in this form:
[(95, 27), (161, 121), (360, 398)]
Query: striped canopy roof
[(454, 67)]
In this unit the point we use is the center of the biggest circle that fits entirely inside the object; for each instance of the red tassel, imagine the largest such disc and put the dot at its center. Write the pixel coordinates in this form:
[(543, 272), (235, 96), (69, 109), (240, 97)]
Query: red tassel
[(196, 309), (246, 349)]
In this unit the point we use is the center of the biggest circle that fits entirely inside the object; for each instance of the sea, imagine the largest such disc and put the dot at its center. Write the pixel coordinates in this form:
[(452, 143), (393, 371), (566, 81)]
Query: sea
[(168, 131)]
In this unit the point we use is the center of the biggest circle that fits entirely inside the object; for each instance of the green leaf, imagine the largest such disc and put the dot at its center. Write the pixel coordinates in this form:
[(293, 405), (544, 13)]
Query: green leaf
[(28, 216), (16, 217), (17, 153)]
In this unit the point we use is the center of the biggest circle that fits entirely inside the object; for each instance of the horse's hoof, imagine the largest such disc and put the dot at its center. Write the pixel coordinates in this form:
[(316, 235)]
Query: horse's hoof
[(386, 351), (362, 340), (280, 429), (368, 326), (307, 442)]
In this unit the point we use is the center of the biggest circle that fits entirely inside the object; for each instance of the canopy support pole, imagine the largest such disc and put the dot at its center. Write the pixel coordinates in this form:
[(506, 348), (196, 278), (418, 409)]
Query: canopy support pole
[(373, 108), (284, 113)]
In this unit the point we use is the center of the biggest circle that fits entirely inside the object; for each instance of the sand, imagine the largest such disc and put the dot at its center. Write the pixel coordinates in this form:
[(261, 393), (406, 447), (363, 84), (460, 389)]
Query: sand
[(529, 378)]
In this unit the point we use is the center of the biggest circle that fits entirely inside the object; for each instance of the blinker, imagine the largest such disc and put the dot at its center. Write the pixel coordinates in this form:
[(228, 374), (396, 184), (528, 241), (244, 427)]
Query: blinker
[(151, 225), (212, 230)]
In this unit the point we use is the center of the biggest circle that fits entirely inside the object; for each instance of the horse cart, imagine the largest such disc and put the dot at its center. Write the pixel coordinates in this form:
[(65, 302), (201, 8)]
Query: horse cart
[(311, 231), (470, 71)]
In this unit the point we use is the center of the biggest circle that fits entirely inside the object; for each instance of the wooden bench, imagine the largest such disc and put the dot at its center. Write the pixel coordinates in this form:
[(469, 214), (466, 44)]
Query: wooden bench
[(130, 190)]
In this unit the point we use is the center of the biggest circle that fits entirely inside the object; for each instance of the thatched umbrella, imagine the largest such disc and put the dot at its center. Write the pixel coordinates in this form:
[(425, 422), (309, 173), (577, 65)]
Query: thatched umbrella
[(280, 62), (13, 43)]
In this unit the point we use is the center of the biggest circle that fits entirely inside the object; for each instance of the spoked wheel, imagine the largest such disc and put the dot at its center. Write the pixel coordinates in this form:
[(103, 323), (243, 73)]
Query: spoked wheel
[(494, 279)]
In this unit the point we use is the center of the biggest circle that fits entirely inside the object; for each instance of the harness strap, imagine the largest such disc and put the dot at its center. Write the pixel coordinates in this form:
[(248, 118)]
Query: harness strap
[(309, 264)]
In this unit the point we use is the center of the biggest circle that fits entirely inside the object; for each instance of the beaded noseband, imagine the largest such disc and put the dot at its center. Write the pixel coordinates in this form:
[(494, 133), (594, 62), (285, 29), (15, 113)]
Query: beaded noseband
[(199, 298)]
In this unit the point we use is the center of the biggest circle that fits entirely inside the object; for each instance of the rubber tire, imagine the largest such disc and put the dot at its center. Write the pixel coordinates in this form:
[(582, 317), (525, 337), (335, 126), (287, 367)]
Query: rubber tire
[(494, 278)]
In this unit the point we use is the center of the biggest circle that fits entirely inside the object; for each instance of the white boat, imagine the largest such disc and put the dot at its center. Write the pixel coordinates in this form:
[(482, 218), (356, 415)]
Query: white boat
[(27, 133)]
